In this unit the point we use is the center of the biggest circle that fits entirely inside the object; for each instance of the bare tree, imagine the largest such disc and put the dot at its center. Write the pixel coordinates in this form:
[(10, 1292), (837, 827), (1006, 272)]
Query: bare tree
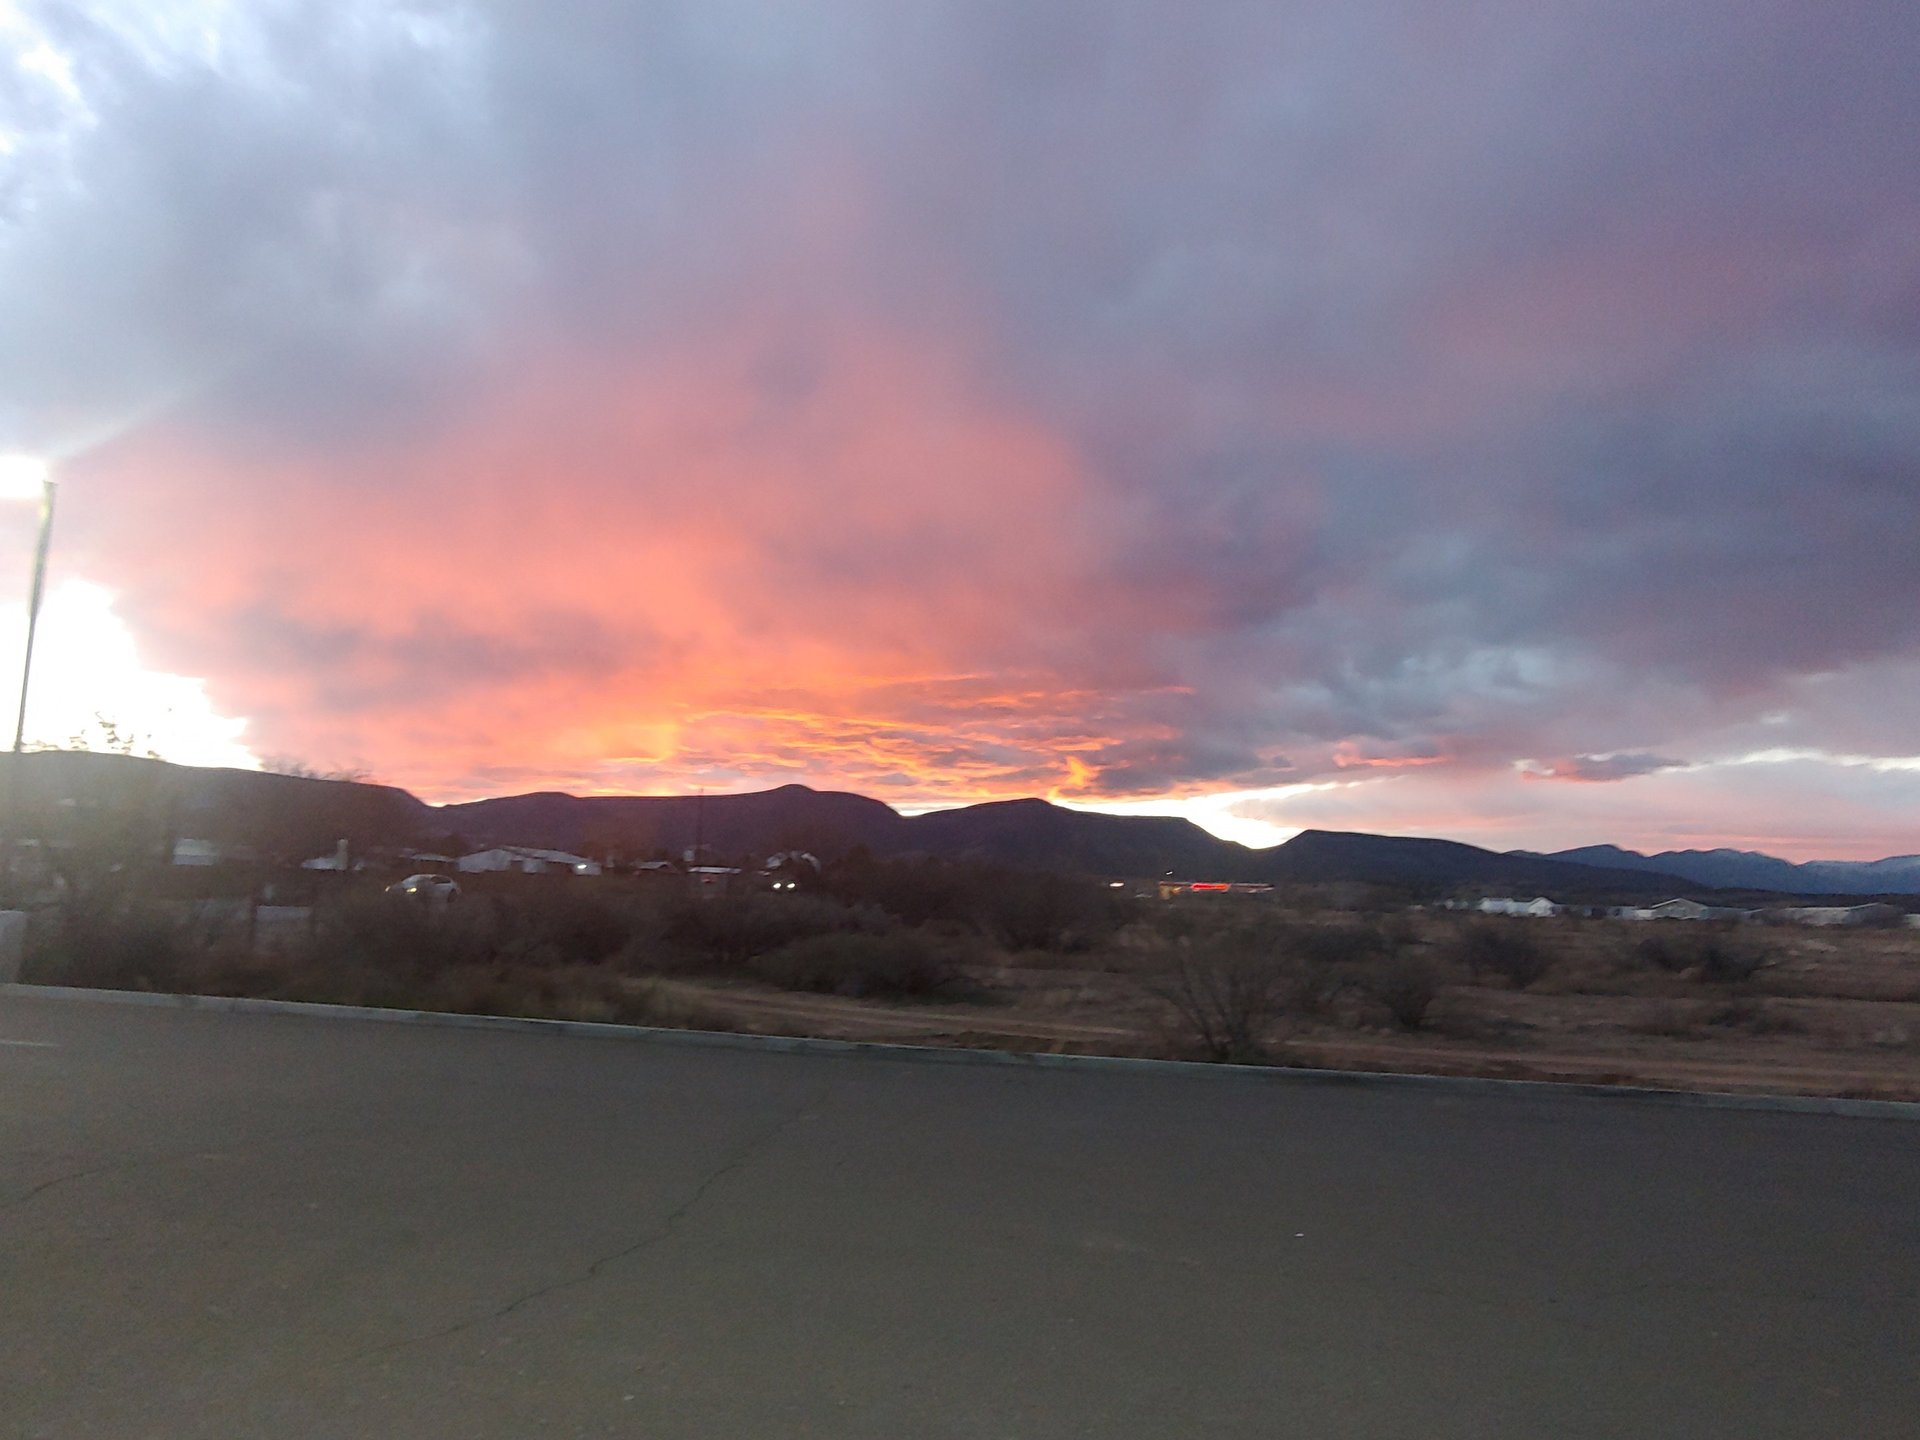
[(1231, 993), (300, 770)]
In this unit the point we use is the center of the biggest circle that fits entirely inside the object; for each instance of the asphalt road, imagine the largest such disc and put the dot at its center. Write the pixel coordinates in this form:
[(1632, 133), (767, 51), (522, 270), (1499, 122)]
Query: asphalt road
[(251, 1226)]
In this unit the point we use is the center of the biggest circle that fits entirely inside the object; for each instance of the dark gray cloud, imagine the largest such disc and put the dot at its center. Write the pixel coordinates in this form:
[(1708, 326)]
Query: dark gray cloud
[(1600, 769), (1405, 384)]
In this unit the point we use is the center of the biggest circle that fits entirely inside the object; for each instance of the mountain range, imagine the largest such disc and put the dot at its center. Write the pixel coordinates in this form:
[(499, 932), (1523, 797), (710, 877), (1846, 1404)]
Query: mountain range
[(1750, 870), (290, 815), (1027, 833)]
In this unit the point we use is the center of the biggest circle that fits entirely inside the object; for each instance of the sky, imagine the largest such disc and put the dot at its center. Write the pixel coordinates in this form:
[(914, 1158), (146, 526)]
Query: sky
[(1496, 420)]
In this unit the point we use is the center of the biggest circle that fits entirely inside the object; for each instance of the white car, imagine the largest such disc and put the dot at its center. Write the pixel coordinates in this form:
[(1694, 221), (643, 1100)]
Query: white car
[(436, 888)]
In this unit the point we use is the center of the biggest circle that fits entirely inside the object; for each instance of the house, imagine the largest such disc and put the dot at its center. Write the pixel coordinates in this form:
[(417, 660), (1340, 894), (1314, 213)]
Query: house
[(1680, 908), (340, 859), (197, 852), (1677, 909), (1855, 916), (528, 861), (1539, 905)]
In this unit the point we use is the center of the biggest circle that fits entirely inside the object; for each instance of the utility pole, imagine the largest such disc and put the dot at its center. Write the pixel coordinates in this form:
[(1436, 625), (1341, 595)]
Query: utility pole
[(14, 472), (33, 607)]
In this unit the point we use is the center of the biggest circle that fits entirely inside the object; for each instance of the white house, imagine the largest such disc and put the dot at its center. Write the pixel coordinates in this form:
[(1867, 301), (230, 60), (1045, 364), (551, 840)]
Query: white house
[(197, 852), (1500, 905), (1678, 908), (1871, 914), (1681, 908), (340, 859), (528, 861)]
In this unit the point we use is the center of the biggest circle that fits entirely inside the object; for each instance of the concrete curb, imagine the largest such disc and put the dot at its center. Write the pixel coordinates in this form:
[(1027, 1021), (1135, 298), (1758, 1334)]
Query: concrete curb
[(941, 1055)]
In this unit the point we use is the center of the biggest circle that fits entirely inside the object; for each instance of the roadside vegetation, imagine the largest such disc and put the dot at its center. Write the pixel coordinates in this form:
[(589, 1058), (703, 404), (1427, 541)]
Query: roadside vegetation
[(946, 952)]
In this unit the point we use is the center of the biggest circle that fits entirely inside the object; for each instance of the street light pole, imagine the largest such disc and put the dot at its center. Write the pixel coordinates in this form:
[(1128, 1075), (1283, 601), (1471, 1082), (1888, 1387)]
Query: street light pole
[(33, 606)]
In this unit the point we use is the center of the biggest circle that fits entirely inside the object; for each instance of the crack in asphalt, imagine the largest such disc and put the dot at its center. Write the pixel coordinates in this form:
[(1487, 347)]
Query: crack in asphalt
[(228, 1146), (741, 1157), (68, 1178)]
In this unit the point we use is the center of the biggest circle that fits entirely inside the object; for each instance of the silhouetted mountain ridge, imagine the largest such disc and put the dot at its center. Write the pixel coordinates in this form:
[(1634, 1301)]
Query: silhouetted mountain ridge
[(280, 813), (1750, 870), (1027, 833)]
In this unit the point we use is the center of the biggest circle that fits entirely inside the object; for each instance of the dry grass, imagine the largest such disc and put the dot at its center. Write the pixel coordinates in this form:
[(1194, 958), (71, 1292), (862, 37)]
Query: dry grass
[(1824, 1012)]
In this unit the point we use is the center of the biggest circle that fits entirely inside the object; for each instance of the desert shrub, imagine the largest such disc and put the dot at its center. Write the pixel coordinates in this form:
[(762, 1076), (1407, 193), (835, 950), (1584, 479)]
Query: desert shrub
[(1755, 1017), (230, 968), (735, 930), (1717, 957), (1338, 944), (547, 992), (562, 926), (1332, 962), (900, 964), (110, 945), (1679, 1021), (1015, 909), (1034, 911), (402, 938), (1663, 952), (1232, 991), (1723, 960), (1510, 951), (1407, 985)]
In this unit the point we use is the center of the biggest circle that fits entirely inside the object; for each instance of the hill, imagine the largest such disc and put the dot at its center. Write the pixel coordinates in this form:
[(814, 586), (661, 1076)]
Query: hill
[(1750, 870), (792, 817), (1026, 834), (1334, 855), (291, 817)]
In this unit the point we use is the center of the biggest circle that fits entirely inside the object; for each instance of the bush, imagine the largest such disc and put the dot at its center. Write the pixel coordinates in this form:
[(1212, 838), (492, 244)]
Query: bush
[(1332, 962), (1723, 961), (1015, 909), (904, 964), (736, 930), (1340, 944), (1407, 985), (563, 926), (1719, 959), (1756, 1018), (1231, 993), (110, 946), (1507, 950), (402, 938), (1663, 952)]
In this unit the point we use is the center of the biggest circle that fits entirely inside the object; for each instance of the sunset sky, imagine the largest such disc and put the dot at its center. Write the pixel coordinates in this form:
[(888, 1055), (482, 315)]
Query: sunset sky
[(1496, 419)]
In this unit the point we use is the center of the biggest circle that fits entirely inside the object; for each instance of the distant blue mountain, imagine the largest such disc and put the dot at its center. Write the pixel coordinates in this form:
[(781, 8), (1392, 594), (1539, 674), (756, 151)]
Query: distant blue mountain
[(1750, 870)]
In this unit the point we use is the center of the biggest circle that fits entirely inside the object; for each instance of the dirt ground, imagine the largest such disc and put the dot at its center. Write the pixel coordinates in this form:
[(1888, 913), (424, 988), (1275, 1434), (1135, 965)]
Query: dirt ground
[(1831, 1013)]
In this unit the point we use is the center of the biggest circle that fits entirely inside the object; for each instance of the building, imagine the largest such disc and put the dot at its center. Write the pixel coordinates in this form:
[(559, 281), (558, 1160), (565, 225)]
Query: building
[(197, 852), (1500, 905), (1854, 916), (1171, 888), (1678, 909), (1681, 908), (528, 861)]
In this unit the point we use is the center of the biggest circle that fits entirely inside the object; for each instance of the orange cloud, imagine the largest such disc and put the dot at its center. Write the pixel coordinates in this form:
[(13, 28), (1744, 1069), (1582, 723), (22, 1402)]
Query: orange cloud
[(847, 561)]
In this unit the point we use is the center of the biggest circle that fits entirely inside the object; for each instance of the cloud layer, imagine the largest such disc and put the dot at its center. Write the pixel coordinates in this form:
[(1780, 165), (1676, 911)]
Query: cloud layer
[(977, 398)]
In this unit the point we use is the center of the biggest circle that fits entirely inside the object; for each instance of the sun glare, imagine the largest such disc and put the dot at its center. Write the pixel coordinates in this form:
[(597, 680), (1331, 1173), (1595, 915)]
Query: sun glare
[(86, 668)]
